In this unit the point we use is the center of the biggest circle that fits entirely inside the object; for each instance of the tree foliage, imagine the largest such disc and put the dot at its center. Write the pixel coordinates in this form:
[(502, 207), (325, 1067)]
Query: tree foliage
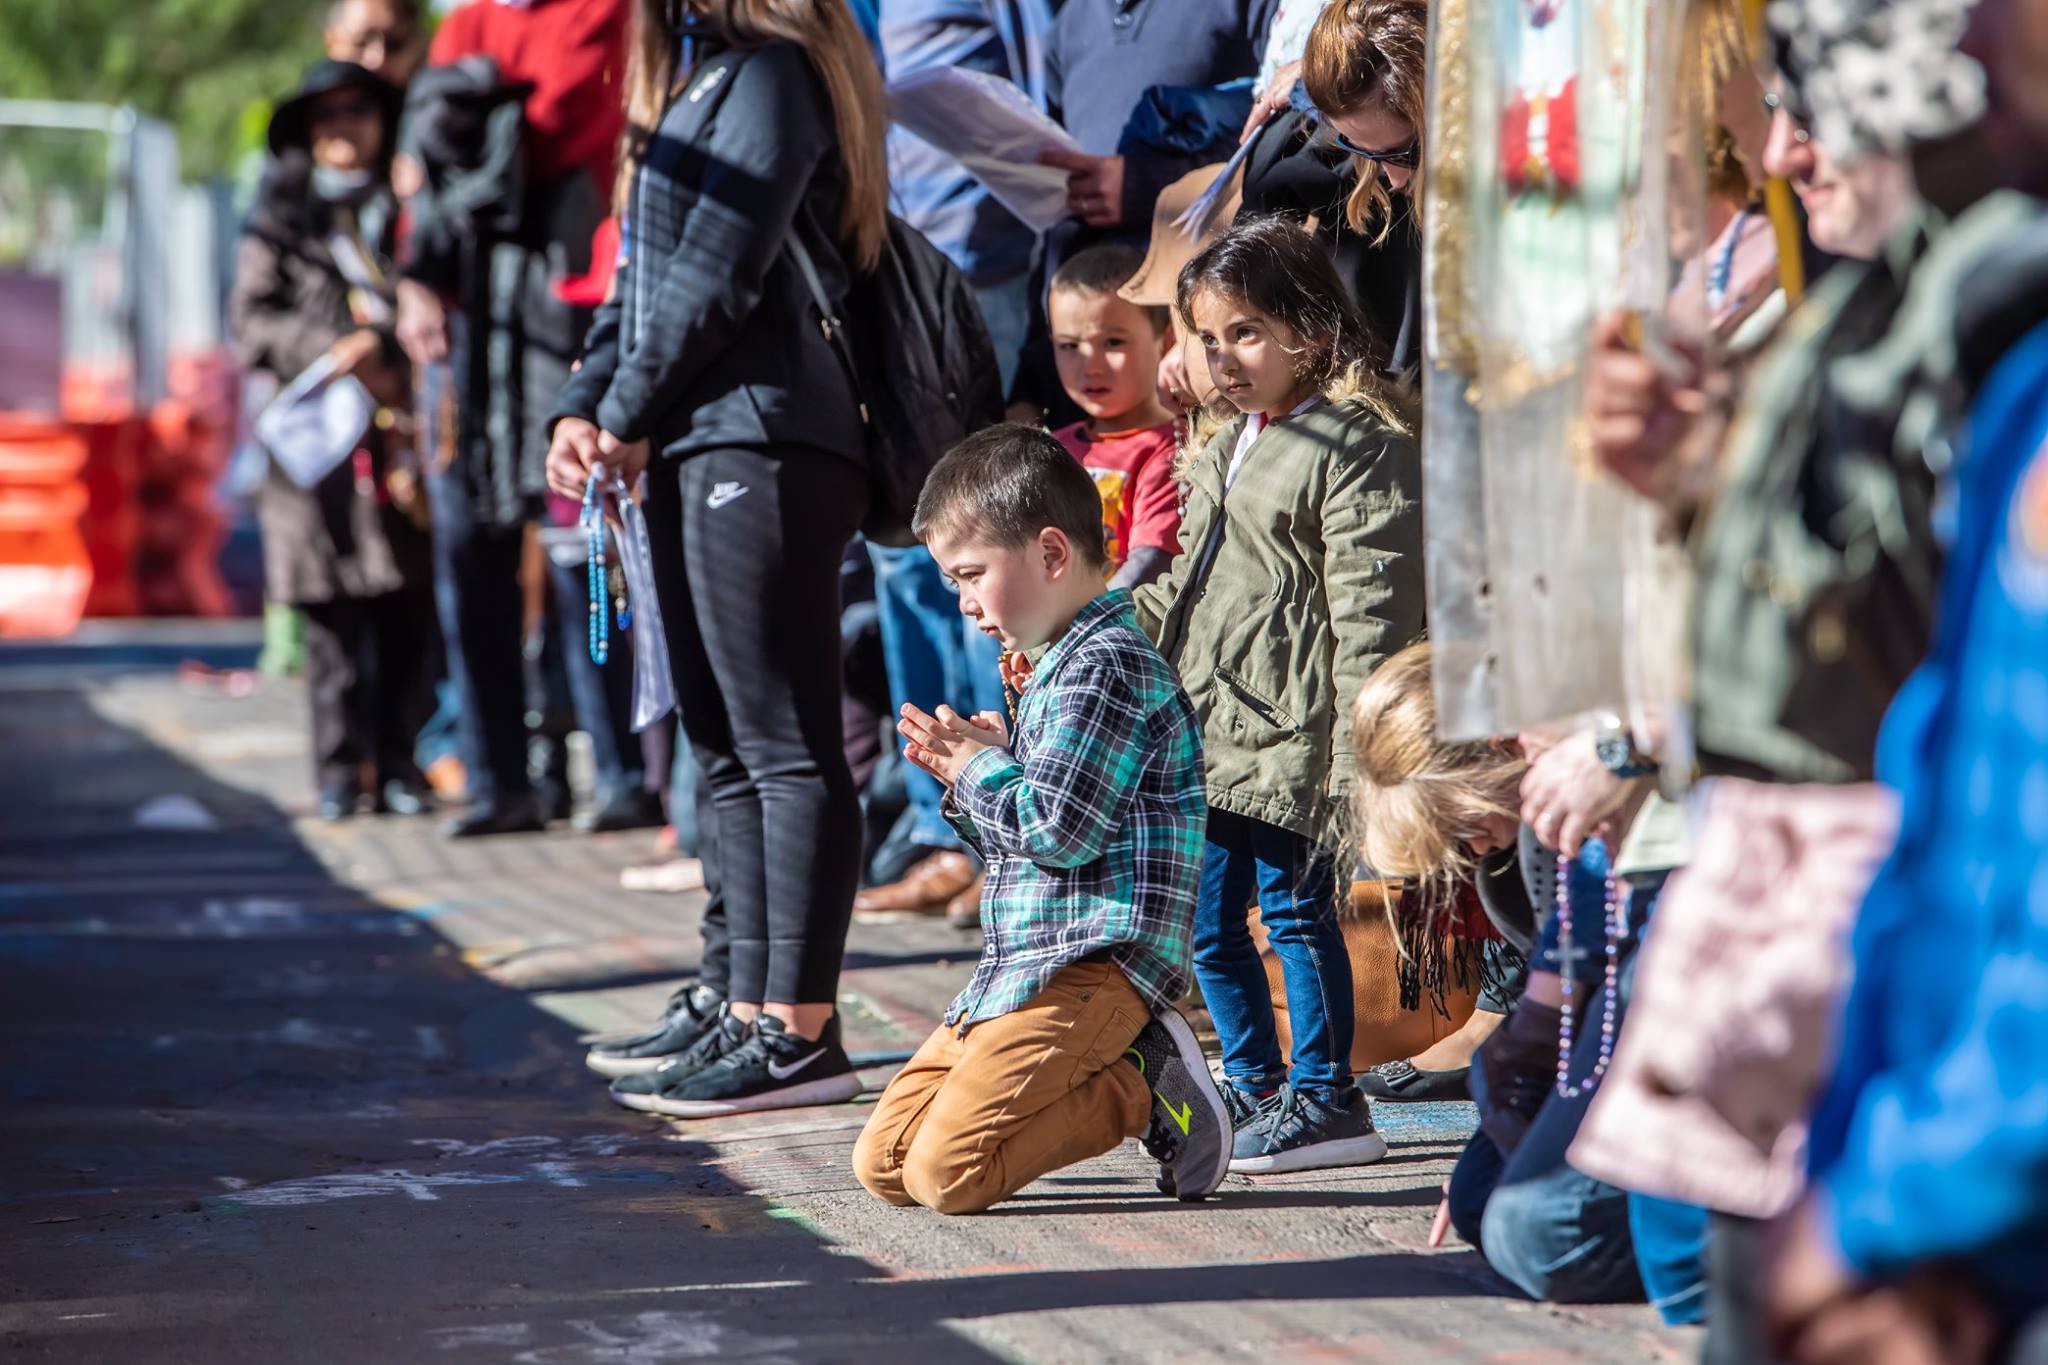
[(208, 67)]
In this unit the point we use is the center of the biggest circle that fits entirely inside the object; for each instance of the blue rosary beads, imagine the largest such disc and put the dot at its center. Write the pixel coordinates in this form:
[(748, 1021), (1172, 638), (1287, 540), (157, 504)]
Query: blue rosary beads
[(592, 521)]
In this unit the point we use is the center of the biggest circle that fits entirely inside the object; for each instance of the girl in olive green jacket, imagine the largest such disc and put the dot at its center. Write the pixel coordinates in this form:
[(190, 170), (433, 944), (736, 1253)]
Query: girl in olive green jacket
[(1300, 570)]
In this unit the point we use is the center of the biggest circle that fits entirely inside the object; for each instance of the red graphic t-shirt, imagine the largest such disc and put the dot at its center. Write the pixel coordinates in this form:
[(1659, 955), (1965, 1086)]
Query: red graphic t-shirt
[(1133, 471)]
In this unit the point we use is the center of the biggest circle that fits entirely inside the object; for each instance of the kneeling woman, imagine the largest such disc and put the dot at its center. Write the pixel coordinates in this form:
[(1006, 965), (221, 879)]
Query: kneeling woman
[(1438, 813)]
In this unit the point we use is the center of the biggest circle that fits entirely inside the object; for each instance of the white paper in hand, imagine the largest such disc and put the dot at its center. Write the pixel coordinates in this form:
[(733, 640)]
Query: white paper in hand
[(994, 130), (316, 423)]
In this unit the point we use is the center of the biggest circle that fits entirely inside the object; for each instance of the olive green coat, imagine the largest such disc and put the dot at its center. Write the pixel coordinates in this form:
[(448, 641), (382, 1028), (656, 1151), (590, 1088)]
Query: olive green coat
[(1316, 578)]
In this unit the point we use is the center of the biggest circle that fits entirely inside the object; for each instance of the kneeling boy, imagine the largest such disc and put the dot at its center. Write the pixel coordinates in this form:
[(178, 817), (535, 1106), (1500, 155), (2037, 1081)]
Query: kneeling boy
[(1090, 819)]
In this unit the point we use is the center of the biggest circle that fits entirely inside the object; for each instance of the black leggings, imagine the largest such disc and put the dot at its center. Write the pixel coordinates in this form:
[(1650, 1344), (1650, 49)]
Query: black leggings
[(746, 546)]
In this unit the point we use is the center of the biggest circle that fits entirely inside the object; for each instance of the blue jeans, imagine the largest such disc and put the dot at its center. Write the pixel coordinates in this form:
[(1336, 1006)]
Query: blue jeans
[(934, 656), (1006, 310), (1671, 1249), (1295, 885), (439, 737)]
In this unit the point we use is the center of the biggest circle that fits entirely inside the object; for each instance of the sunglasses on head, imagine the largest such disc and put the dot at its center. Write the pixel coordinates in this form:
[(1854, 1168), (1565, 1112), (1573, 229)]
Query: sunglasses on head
[(1407, 157)]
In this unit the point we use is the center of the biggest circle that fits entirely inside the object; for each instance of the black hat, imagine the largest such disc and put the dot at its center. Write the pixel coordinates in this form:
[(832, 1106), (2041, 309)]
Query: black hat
[(292, 125)]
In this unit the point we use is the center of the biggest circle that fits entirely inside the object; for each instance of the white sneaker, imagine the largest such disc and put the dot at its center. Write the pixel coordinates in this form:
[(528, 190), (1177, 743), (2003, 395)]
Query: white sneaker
[(675, 876)]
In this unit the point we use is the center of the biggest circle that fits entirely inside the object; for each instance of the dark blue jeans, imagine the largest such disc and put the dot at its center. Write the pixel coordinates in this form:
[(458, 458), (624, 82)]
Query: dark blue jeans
[(476, 591), (1295, 885), (1555, 1234), (934, 656)]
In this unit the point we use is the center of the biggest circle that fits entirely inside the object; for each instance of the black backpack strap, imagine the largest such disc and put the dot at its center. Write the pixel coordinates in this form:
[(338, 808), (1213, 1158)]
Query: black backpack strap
[(828, 321)]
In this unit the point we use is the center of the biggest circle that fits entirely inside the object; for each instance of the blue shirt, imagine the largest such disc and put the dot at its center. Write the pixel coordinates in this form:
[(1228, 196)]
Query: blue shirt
[(1931, 1142), (930, 190)]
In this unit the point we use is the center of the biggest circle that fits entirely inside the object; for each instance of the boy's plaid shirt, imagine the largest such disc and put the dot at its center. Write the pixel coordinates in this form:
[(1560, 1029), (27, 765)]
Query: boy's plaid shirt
[(1091, 822)]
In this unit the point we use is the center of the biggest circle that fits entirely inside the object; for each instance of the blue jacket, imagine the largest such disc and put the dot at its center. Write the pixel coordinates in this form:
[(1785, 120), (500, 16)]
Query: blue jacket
[(1931, 1142)]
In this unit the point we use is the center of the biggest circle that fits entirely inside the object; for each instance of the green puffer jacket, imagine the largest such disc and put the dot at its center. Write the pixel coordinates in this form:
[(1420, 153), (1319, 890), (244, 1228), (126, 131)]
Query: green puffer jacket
[(1316, 577)]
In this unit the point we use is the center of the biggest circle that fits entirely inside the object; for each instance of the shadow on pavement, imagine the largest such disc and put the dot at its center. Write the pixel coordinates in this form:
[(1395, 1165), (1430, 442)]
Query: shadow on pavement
[(251, 1115)]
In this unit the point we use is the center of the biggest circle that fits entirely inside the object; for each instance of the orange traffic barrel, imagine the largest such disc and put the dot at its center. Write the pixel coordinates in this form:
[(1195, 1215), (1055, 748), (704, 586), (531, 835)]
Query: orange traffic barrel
[(45, 570)]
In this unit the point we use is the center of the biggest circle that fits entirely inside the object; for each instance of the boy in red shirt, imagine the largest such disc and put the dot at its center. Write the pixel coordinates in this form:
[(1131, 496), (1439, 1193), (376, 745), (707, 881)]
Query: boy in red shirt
[(1108, 352)]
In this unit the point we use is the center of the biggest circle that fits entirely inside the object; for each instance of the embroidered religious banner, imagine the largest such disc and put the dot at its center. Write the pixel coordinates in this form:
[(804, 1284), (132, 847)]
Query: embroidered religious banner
[(1546, 189)]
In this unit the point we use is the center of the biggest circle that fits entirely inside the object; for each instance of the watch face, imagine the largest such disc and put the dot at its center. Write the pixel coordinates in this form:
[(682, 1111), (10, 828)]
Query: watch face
[(1613, 751)]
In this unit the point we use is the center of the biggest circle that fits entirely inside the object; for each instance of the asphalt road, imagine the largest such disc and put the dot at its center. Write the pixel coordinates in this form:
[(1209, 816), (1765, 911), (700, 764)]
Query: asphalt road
[(280, 1092)]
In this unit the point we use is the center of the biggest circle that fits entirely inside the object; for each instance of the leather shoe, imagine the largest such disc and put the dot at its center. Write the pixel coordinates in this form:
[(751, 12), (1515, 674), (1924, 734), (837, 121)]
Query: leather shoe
[(964, 910), (927, 886), (402, 796), (624, 810), (1405, 1082), (518, 817)]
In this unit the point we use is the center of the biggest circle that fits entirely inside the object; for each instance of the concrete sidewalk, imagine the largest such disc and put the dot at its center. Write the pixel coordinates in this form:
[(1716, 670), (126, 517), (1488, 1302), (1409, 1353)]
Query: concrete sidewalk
[(278, 1091)]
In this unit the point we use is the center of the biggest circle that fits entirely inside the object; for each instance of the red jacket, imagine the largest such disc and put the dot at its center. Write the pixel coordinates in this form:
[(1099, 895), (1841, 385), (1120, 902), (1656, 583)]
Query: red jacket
[(573, 51)]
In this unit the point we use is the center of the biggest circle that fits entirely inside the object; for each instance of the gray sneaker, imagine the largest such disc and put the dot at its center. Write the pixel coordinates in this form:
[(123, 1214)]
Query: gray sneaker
[(1246, 1108), (1302, 1133), (1190, 1131)]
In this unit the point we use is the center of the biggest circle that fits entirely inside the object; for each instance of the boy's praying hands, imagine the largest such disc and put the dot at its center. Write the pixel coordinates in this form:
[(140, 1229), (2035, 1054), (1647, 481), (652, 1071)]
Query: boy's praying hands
[(943, 744)]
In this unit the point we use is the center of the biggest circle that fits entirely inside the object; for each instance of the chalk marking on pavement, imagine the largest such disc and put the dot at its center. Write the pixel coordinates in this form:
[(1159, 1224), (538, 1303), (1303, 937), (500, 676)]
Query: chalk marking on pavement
[(559, 1173), (701, 1288), (648, 1338), (589, 1144), (322, 1189)]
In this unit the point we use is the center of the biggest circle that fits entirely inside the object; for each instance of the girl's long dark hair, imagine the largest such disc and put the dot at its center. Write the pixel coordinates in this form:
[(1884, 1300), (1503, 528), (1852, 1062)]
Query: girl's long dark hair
[(1285, 272)]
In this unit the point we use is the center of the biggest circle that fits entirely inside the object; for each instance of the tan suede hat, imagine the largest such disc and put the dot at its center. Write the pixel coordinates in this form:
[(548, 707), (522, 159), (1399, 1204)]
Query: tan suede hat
[(1171, 247)]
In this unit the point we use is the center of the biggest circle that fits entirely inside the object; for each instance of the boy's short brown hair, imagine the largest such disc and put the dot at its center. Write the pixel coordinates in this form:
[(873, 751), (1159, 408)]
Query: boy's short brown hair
[(1007, 483), (1104, 270)]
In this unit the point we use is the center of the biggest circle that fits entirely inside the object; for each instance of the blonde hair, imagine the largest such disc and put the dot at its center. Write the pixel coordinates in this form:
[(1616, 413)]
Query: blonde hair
[(1417, 801), (1370, 53), (832, 40)]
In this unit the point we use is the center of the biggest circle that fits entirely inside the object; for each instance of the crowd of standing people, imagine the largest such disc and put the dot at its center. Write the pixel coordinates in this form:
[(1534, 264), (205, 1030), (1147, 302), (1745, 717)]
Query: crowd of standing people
[(1754, 1009)]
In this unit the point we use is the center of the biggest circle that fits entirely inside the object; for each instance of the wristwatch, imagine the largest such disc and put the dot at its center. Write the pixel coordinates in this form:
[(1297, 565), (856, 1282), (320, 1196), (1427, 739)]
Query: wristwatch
[(1616, 749)]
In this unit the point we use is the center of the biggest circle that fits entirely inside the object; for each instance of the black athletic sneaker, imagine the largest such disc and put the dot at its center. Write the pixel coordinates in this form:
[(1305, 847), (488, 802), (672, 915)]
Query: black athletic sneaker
[(1302, 1133), (772, 1069), (690, 1014), (1190, 1132), (647, 1091)]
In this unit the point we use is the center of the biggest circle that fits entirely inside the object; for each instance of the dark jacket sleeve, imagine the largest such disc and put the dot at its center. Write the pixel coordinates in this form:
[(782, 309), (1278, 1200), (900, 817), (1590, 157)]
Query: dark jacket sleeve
[(266, 315), (600, 359), (753, 167)]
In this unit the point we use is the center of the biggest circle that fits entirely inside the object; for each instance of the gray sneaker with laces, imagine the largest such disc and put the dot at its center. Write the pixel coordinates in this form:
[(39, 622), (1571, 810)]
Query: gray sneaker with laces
[(1303, 1133), (1189, 1135)]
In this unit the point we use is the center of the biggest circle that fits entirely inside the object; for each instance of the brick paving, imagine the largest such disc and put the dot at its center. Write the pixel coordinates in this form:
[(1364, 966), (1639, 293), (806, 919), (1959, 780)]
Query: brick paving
[(283, 1091)]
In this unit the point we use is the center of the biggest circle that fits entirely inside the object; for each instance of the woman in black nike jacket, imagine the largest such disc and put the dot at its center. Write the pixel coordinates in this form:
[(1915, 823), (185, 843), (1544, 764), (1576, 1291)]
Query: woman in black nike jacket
[(748, 123)]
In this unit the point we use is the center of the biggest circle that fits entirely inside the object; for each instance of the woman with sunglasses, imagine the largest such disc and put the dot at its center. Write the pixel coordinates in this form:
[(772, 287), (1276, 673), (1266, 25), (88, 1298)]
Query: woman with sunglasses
[(1365, 69)]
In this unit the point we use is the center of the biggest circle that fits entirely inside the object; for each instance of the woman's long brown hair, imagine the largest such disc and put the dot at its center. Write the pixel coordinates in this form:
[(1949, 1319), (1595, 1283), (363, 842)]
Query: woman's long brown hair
[(830, 37), (1370, 52)]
